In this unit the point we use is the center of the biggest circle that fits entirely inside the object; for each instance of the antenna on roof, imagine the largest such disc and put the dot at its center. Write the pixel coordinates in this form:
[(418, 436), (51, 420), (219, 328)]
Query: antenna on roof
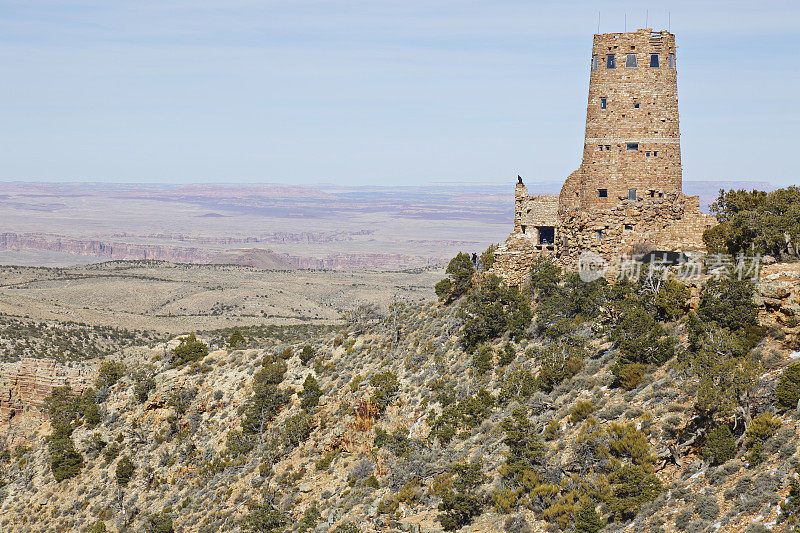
[(626, 23), (598, 22), (646, 17), (669, 21)]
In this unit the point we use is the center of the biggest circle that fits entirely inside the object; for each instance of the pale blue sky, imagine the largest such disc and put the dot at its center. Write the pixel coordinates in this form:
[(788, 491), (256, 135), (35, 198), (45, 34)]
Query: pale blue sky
[(379, 92)]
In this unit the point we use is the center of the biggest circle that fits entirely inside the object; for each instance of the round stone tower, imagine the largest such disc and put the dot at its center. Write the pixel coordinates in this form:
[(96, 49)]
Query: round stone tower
[(632, 144)]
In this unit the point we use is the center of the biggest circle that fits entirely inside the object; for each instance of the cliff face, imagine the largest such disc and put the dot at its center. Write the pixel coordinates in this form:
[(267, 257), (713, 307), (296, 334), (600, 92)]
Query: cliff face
[(116, 250), (255, 257), (23, 387)]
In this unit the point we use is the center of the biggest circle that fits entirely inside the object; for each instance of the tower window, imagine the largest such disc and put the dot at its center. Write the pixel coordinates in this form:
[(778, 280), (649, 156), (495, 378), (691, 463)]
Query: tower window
[(647, 153), (632, 147), (608, 147), (628, 227), (602, 193), (672, 61), (611, 62), (630, 61), (603, 102), (631, 194), (524, 228), (655, 154), (653, 60), (594, 62), (599, 235), (636, 105)]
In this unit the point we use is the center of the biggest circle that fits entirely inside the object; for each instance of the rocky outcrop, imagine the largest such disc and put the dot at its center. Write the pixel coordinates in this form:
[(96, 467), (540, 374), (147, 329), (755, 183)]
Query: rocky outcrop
[(778, 295), (26, 383)]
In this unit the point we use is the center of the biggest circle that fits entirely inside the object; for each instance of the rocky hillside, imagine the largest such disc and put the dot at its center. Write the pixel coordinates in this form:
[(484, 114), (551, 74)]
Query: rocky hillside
[(573, 406)]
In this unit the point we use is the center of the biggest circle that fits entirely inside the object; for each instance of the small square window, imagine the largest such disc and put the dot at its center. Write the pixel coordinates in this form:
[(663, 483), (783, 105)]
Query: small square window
[(594, 62), (603, 102), (602, 193), (608, 147), (653, 60), (611, 62), (630, 61), (636, 105), (647, 154), (628, 227), (632, 147), (655, 154), (631, 194)]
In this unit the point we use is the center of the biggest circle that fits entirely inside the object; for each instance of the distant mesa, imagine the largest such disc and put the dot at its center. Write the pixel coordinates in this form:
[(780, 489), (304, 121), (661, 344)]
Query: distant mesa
[(212, 215)]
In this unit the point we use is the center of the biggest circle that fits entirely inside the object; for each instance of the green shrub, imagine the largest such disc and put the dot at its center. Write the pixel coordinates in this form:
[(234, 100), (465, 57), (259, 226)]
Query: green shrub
[(159, 523), (632, 487), (790, 508), (625, 441), (761, 428), (326, 460), (461, 506), (558, 362), (310, 519), (492, 309), (507, 354), (443, 289), (238, 444), (306, 354), (235, 339), (143, 384), (267, 400), (587, 520), (728, 303), (298, 428), (544, 277), (263, 518), (65, 460), (189, 350), (519, 384), (720, 446), (111, 452), (182, 399), (629, 375), (311, 393), (109, 373), (125, 470), (386, 387), (671, 300), (788, 389), (526, 455), (483, 359), (581, 410), (460, 270), (641, 339)]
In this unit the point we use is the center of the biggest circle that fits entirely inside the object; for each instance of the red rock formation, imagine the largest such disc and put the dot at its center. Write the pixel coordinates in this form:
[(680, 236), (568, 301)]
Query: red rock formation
[(25, 384)]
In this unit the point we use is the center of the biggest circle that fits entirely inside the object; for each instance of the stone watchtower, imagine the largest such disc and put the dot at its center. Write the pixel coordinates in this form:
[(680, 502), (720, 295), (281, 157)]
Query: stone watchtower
[(632, 142), (627, 190)]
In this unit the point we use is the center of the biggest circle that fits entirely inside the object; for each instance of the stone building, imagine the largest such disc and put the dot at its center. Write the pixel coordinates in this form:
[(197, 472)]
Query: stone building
[(626, 196)]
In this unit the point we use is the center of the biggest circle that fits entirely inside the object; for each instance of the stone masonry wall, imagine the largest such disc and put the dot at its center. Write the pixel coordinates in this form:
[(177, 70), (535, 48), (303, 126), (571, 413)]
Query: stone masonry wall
[(641, 107), (627, 191)]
